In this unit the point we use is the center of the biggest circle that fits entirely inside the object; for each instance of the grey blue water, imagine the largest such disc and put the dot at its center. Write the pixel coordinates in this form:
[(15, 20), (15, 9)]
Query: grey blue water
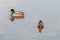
[(26, 29)]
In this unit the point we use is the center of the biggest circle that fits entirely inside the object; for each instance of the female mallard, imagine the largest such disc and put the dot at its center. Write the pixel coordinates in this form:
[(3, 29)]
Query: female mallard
[(16, 15), (40, 26)]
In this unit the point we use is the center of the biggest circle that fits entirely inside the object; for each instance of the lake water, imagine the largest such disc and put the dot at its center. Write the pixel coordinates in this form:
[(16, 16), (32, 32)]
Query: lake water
[(26, 29)]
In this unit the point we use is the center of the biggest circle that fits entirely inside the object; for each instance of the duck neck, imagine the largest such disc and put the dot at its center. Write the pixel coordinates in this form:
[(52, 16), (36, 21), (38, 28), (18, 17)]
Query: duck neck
[(13, 11)]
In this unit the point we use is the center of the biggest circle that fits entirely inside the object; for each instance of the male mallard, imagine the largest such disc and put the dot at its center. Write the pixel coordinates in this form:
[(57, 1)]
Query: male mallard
[(16, 15)]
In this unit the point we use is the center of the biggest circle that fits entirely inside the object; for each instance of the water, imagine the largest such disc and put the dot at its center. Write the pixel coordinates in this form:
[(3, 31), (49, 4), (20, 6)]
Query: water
[(26, 29)]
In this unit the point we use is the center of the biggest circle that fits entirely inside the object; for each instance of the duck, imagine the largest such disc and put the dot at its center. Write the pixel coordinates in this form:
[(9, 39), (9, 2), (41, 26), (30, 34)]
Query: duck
[(40, 26), (16, 15)]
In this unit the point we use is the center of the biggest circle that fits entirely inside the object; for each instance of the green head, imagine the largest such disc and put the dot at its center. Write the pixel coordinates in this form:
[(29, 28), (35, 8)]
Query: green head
[(12, 10)]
